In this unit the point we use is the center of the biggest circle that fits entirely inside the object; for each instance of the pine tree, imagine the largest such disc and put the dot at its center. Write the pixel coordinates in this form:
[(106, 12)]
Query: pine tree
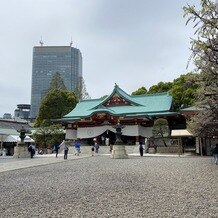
[(57, 82), (81, 91)]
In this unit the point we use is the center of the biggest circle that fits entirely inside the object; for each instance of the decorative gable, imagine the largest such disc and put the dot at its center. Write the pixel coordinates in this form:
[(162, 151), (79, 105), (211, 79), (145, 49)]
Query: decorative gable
[(116, 100)]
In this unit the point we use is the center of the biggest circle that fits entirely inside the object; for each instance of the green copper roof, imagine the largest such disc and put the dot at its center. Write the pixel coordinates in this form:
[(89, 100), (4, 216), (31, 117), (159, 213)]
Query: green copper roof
[(150, 104), (4, 131)]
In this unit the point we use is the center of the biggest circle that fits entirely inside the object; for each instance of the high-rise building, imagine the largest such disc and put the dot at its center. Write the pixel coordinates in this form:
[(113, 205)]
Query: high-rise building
[(47, 60), (7, 116)]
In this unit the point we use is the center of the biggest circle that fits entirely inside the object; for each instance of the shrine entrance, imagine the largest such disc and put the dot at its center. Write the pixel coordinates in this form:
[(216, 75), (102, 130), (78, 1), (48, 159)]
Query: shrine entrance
[(103, 139)]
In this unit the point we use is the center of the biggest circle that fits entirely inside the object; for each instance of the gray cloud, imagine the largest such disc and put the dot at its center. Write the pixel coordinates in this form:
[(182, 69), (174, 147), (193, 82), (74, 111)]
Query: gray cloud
[(133, 43)]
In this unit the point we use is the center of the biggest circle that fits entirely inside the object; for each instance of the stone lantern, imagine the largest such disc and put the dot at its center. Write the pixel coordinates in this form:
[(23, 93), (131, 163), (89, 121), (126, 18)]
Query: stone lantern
[(21, 150), (119, 151)]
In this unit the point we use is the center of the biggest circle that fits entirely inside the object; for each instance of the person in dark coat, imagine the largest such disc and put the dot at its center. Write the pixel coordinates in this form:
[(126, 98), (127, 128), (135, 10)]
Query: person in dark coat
[(31, 149), (96, 147), (92, 150), (56, 148), (141, 149), (215, 154), (66, 149)]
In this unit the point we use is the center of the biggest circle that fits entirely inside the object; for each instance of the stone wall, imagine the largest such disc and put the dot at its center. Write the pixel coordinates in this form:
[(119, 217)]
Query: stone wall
[(171, 149)]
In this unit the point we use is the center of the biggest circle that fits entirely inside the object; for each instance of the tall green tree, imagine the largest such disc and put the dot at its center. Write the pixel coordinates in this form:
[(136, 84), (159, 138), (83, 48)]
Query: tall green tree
[(205, 54), (46, 136), (80, 90), (160, 87), (184, 90), (140, 91), (57, 82), (54, 105)]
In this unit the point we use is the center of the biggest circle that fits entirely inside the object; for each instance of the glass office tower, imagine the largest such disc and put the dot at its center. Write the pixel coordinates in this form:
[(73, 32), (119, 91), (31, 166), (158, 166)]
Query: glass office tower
[(48, 60)]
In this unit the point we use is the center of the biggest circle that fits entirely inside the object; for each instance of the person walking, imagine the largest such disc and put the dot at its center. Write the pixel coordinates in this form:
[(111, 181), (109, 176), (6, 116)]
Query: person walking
[(107, 141), (92, 150), (56, 148), (111, 147), (96, 147), (77, 147), (215, 154), (66, 149), (141, 149), (31, 149), (102, 140)]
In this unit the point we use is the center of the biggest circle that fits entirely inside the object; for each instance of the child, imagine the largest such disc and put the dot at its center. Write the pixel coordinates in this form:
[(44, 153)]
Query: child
[(92, 150)]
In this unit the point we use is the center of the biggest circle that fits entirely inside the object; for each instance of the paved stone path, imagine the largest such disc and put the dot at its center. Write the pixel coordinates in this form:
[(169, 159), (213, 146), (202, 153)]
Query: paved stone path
[(102, 187), (9, 163)]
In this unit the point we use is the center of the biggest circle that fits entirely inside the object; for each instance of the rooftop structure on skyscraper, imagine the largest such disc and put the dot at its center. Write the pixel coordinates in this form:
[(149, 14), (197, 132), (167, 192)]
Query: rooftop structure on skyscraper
[(22, 111)]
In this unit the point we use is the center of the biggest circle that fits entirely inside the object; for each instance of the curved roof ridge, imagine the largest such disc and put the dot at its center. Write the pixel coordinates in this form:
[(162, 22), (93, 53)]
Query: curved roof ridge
[(93, 99), (119, 89), (101, 106), (122, 93), (149, 94)]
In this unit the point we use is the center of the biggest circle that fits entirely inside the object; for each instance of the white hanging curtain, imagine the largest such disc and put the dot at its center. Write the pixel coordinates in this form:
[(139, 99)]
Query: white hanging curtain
[(131, 130), (71, 134), (145, 131), (90, 132)]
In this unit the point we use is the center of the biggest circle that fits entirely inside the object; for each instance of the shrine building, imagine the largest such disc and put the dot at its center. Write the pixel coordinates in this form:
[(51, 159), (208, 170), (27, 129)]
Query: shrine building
[(96, 118)]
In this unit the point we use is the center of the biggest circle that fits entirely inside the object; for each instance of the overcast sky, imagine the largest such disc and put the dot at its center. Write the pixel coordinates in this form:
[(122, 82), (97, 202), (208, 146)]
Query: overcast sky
[(133, 43)]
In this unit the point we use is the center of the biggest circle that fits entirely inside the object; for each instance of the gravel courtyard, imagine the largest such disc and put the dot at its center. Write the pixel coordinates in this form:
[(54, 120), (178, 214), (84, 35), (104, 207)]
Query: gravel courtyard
[(103, 187)]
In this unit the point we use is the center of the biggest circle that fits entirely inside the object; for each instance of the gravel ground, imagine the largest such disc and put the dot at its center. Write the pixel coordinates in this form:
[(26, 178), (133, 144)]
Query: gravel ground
[(103, 187)]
